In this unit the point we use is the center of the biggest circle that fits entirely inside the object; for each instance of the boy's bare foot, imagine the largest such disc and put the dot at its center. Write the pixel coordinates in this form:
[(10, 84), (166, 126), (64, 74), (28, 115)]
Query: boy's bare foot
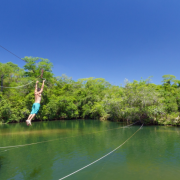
[(28, 122)]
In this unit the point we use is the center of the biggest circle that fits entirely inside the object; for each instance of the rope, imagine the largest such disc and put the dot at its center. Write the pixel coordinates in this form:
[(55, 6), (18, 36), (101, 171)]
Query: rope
[(60, 138), (8, 149), (25, 61), (18, 86), (102, 156), (28, 83), (11, 53), (42, 73)]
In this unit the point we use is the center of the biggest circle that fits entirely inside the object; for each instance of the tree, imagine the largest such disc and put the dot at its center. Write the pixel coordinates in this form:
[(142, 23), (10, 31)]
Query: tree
[(168, 78), (5, 70), (33, 68)]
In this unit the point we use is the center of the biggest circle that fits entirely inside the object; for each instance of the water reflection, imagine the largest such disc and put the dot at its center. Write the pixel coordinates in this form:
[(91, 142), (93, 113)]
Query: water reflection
[(152, 153)]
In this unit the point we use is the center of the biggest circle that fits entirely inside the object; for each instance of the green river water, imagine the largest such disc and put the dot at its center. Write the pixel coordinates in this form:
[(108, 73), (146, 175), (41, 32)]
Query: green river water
[(153, 152)]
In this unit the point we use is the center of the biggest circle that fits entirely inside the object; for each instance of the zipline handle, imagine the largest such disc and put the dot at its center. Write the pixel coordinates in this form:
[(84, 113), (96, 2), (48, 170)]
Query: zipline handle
[(42, 73)]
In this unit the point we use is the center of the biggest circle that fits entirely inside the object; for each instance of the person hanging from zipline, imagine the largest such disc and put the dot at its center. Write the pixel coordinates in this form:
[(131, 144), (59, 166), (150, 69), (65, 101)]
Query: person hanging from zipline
[(36, 105)]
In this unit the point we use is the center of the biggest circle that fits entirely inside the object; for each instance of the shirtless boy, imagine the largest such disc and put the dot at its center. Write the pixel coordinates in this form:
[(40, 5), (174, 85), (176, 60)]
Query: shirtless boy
[(36, 105)]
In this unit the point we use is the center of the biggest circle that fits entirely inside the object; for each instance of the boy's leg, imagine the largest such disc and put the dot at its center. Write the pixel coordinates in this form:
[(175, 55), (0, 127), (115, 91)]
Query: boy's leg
[(28, 120), (33, 115), (29, 117), (35, 110)]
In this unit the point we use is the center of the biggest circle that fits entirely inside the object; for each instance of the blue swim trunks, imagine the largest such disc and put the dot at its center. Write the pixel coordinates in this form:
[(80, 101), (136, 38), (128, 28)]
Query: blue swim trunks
[(35, 108)]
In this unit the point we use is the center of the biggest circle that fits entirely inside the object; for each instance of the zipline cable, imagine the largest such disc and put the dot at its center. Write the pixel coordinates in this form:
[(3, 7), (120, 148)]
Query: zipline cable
[(42, 70), (102, 156), (18, 86), (62, 138), (12, 53), (29, 82)]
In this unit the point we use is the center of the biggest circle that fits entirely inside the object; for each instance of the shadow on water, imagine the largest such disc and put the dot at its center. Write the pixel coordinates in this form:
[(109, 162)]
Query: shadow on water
[(35, 172), (1, 161)]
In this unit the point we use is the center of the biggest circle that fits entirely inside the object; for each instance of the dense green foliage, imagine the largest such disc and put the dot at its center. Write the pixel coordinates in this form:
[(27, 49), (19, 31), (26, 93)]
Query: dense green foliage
[(64, 98)]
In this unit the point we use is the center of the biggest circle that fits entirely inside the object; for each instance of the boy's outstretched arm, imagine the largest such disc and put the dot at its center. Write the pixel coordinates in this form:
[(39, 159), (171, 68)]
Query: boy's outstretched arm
[(42, 87), (36, 87)]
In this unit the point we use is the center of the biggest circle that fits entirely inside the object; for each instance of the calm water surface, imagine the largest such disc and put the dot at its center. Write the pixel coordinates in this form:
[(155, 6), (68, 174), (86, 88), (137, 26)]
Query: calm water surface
[(152, 153)]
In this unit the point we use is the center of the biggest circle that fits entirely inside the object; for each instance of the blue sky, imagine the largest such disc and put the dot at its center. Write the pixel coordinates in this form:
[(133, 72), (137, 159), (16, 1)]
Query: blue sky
[(111, 39)]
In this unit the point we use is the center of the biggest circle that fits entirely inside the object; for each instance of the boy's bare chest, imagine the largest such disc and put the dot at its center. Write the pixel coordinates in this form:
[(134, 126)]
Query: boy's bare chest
[(37, 95)]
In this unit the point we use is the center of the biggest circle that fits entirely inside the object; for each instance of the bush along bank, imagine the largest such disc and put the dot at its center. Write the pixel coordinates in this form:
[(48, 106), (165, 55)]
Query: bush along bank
[(88, 98)]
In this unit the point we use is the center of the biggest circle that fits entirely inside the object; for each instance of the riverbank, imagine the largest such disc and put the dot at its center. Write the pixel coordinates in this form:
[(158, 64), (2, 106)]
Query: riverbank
[(163, 122)]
